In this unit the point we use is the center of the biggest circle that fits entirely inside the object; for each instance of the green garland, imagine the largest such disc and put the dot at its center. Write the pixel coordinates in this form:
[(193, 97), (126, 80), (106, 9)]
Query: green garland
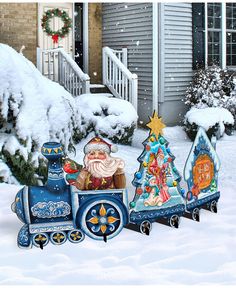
[(48, 15)]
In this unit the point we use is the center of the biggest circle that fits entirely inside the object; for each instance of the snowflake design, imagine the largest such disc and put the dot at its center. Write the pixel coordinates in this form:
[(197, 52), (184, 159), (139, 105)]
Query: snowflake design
[(103, 220)]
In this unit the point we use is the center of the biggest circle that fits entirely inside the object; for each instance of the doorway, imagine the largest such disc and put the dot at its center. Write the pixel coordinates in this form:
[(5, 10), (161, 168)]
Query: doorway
[(44, 41), (78, 35)]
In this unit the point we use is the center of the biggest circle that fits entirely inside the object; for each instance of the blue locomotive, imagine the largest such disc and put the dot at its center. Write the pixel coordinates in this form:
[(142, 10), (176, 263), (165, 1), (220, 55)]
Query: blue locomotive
[(58, 212)]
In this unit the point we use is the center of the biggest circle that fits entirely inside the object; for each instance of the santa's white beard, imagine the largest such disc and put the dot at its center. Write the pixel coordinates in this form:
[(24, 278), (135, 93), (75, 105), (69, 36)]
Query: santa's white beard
[(103, 168)]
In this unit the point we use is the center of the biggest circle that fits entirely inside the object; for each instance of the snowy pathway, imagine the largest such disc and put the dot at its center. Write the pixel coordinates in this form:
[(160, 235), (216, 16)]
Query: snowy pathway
[(196, 253)]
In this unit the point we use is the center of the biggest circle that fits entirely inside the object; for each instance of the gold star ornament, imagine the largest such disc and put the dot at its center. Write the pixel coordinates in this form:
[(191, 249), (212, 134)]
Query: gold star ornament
[(155, 125)]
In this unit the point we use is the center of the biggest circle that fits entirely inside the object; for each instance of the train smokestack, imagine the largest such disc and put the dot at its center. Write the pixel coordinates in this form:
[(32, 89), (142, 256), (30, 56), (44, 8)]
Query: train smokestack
[(53, 151)]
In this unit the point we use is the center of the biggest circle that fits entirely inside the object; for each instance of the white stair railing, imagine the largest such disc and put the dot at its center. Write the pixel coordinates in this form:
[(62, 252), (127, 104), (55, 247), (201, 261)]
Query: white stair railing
[(120, 81), (58, 66), (121, 55)]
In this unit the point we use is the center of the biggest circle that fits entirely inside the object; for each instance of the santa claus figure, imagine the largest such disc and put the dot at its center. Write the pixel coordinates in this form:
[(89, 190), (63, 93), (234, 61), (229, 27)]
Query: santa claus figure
[(159, 190), (101, 171)]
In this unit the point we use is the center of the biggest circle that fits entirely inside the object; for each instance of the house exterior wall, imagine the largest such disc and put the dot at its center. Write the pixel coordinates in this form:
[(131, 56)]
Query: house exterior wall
[(130, 25), (18, 27), (176, 61), (95, 42)]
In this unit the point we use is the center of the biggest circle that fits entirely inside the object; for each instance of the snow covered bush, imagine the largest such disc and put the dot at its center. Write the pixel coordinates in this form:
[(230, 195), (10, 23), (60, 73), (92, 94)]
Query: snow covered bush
[(208, 87), (230, 103), (212, 87), (214, 120), (6, 175), (108, 117), (33, 110)]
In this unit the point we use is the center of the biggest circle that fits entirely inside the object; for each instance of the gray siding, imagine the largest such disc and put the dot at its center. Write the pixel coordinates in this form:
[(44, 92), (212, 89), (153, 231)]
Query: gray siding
[(124, 24), (177, 49), (130, 25)]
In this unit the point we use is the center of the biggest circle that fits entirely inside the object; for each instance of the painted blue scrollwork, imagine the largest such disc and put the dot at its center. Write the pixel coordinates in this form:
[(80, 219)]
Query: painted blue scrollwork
[(51, 209), (23, 239)]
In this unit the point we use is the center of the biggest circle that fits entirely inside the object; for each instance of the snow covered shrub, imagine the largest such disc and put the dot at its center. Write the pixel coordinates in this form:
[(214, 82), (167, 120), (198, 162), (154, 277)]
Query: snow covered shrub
[(230, 103), (212, 87), (108, 117), (6, 174), (214, 120), (33, 110)]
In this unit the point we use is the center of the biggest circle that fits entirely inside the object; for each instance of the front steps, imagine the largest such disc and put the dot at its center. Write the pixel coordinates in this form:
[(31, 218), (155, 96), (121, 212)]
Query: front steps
[(99, 89)]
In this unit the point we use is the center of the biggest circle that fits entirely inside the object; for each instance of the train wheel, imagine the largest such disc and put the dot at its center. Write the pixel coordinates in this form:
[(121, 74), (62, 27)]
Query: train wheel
[(102, 219), (75, 236), (40, 240), (196, 214), (58, 237), (145, 227), (174, 221), (213, 206)]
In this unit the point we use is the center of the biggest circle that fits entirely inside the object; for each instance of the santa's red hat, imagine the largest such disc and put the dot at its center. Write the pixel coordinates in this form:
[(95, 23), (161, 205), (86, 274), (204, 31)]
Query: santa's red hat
[(98, 143)]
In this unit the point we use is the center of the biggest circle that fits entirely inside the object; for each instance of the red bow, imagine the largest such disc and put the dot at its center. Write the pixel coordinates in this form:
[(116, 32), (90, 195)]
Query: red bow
[(55, 38)]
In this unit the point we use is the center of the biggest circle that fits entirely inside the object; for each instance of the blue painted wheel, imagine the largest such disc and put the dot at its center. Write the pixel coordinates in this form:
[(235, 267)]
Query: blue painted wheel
[(75, 236), (58, 237), (102, 219), (40, 239)]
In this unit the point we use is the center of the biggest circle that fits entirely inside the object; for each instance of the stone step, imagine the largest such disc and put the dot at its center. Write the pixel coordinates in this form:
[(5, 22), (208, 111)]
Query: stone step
[(98, 88)]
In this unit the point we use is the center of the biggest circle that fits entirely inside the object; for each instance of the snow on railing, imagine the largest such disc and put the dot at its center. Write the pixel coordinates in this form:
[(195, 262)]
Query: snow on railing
[(120, 81), (59, 66)]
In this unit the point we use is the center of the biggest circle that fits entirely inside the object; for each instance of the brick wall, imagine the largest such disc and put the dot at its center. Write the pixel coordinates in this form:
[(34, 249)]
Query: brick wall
[(95, 42), (18, 26)]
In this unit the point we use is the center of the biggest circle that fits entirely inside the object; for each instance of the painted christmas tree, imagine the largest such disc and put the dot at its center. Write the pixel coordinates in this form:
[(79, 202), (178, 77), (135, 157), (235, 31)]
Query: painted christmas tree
[(157, 181)]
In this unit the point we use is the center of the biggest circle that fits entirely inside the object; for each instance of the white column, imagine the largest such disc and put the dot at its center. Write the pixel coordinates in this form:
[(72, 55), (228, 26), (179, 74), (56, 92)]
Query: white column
[(39, 59), (155, 56), (161, 45), (223, 35), (85, 37)]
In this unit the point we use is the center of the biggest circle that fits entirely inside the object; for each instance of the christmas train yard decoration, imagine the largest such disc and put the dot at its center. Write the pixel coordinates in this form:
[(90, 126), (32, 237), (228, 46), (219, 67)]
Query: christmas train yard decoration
[(93, 200)]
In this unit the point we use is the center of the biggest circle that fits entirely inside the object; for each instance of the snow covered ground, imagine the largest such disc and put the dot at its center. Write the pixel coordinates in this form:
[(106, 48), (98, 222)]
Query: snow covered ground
[(195, 254)]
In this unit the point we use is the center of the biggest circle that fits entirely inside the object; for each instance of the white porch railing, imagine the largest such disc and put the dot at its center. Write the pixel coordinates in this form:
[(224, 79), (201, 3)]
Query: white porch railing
[(58, 66), (121, 55), (120, 81)]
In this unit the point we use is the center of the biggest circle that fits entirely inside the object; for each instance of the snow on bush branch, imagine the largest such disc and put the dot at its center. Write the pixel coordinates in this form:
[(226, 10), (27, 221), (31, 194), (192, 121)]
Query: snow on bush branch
[(108, 117), (209, 117), (211, 87), (33, 110)]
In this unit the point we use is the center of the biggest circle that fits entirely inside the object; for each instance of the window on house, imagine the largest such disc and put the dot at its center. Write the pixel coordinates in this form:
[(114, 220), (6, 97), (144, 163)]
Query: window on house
[(231, 34), (214, 33)]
